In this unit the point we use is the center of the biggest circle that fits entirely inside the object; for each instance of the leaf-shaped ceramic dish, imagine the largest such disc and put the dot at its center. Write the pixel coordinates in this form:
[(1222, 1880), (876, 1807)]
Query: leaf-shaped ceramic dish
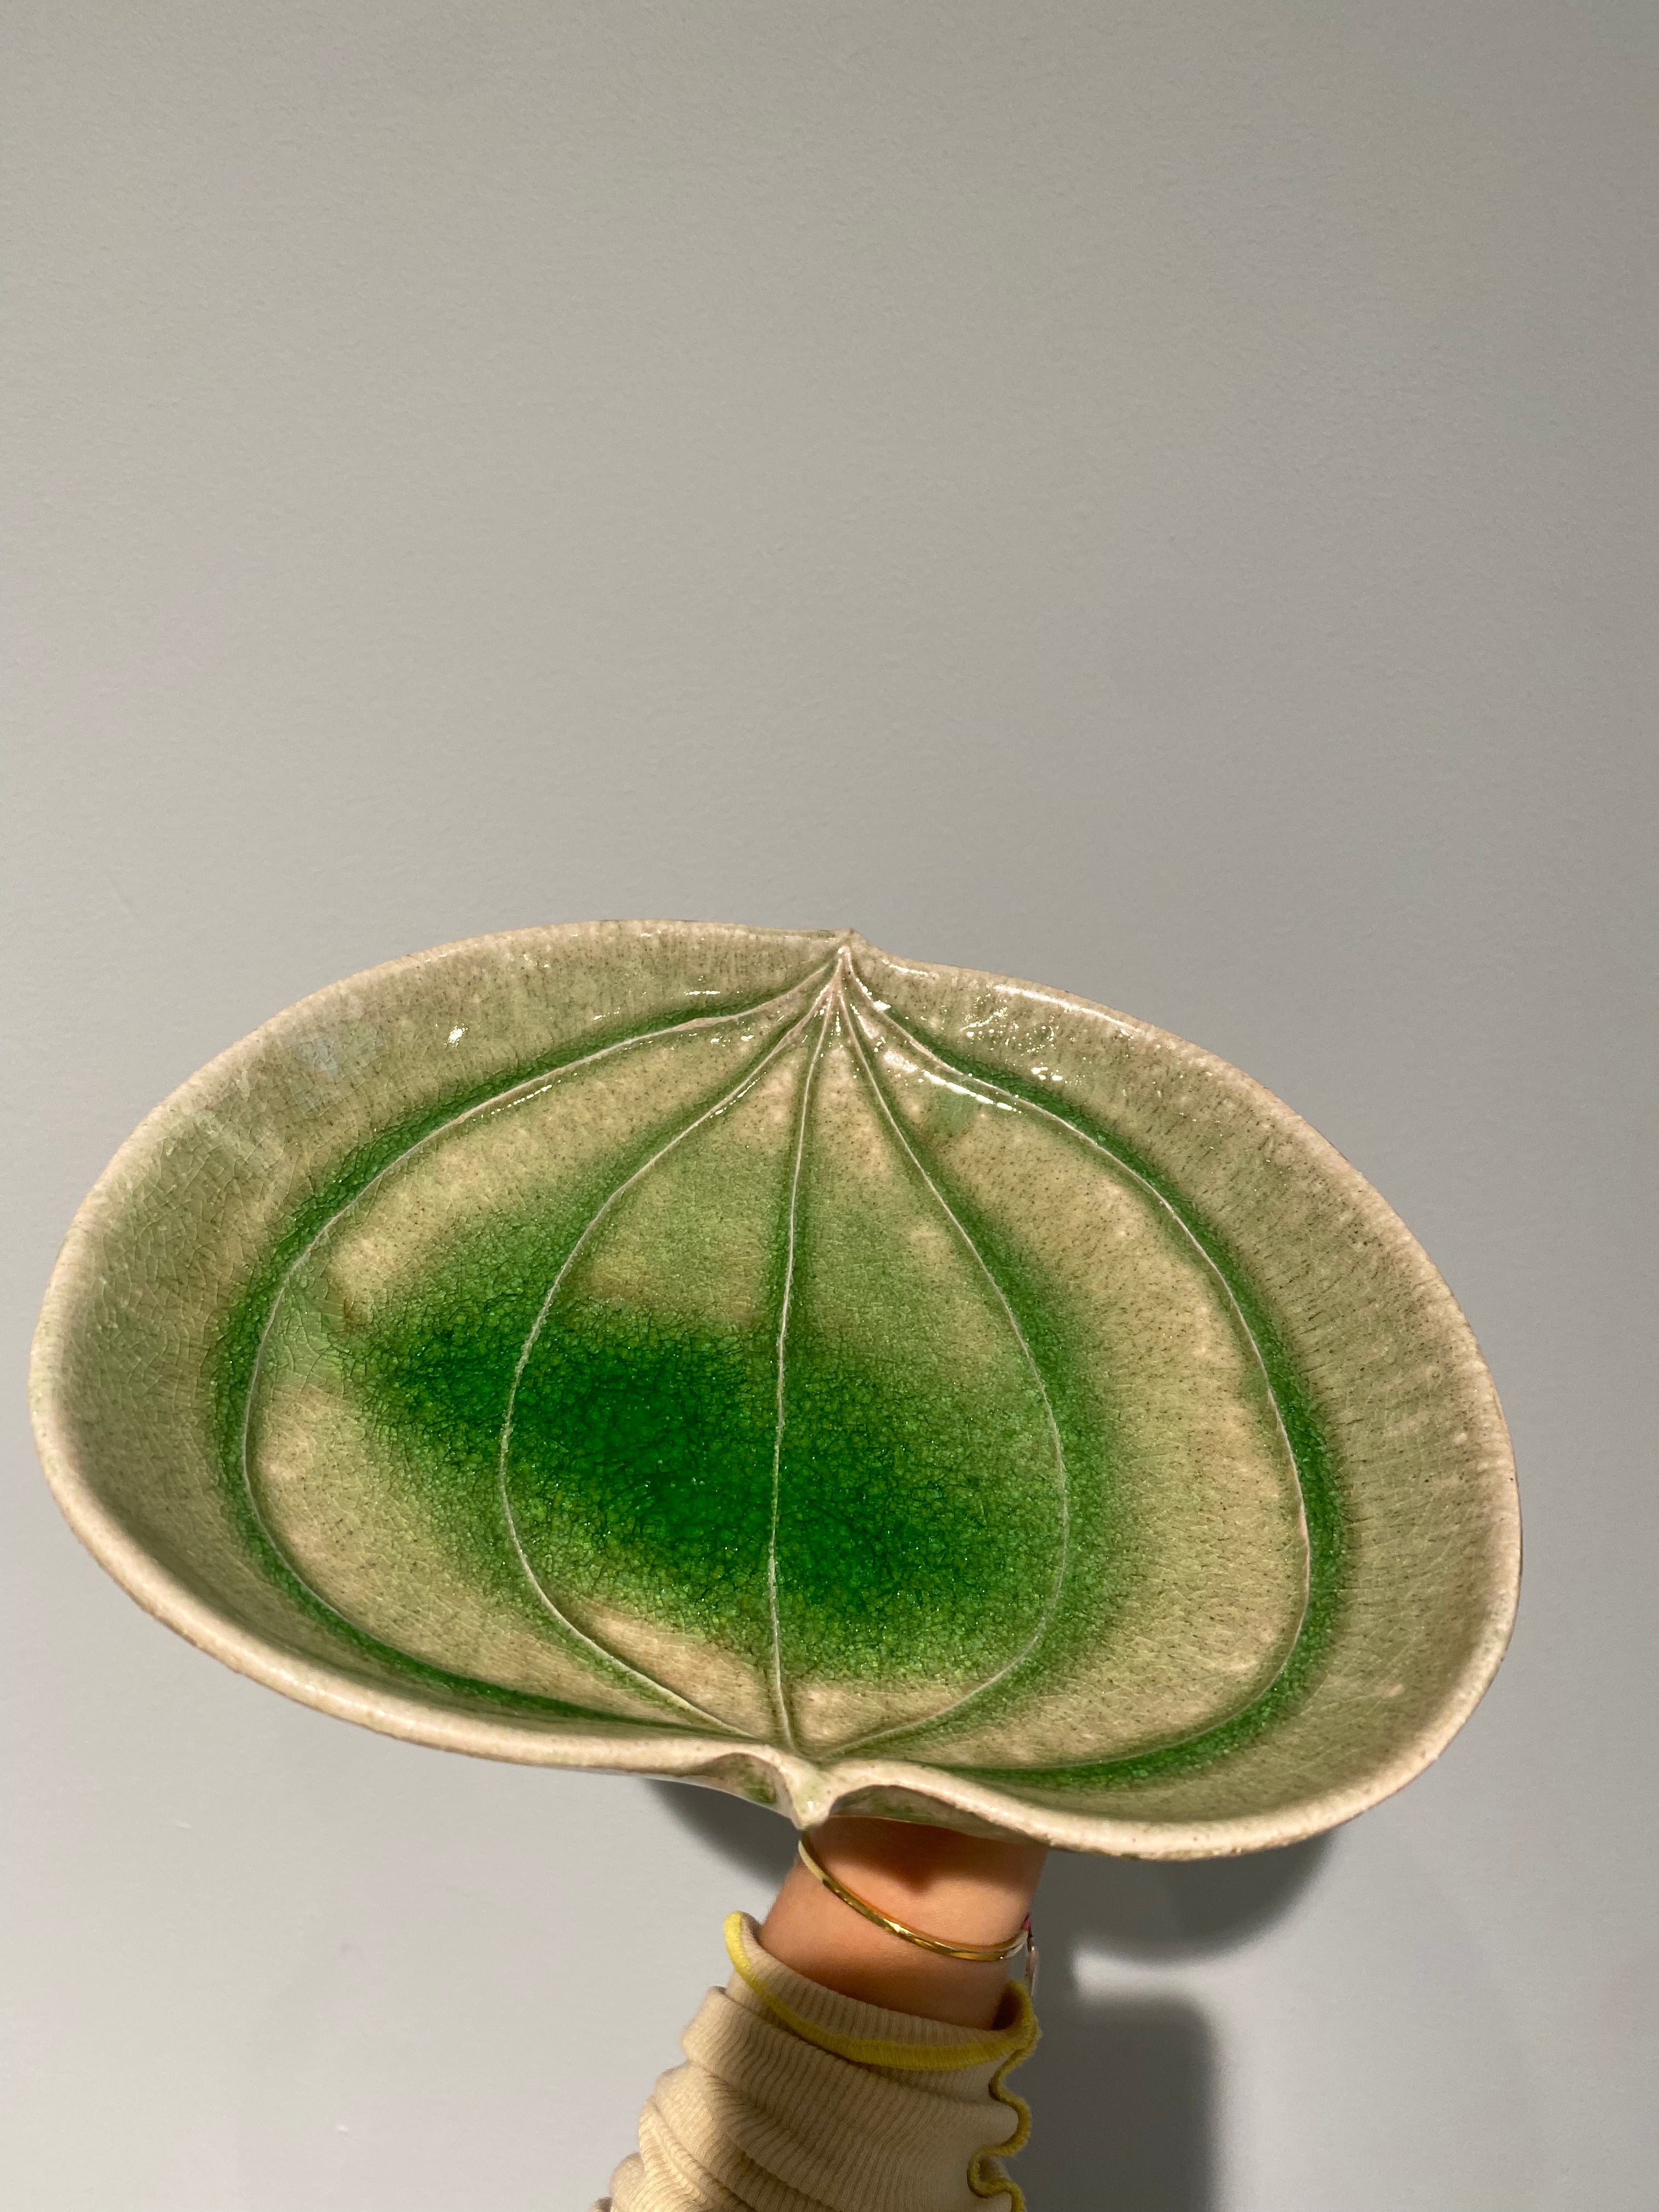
[(739, 1355)]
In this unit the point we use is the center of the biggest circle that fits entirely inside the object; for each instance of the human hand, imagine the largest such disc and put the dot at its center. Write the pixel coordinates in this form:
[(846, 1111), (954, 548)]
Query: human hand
[(961, 1889)]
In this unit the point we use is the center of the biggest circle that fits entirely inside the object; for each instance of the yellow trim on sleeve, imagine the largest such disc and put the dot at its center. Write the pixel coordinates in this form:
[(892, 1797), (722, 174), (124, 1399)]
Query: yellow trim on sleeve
[(982, 2178), (1010, 2044)]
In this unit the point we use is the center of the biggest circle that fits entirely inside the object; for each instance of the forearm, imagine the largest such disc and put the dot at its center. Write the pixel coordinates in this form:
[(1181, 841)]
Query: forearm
[(844, 2069)]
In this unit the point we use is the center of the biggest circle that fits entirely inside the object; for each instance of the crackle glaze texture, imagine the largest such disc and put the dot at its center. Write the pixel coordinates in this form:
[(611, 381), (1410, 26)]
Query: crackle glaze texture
[(740, 1355)]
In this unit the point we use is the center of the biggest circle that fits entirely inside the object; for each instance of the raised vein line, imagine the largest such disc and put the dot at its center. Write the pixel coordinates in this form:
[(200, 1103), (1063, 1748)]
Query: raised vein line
[(592, 1643), (780, 1700), (928, 1720), (1123, 1168), (514, 1094)]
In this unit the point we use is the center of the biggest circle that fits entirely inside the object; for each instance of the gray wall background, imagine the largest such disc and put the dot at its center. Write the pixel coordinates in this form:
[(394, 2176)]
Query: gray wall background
[(1158, 499)]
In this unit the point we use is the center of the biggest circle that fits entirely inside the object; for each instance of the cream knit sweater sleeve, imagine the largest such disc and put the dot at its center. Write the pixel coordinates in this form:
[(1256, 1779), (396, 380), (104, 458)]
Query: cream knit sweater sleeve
[(794, 2099)]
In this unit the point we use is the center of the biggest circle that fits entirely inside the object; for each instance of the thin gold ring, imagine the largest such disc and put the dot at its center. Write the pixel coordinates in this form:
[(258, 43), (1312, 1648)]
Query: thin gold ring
[(980, 1955)]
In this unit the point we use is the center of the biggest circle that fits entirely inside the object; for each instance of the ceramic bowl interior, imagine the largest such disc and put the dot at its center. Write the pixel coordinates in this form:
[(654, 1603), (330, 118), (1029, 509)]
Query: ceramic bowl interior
[(740, 1355)]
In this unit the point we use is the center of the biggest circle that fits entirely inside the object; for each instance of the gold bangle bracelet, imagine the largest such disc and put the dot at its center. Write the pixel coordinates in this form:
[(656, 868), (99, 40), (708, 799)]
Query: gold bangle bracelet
[(979, 1954)]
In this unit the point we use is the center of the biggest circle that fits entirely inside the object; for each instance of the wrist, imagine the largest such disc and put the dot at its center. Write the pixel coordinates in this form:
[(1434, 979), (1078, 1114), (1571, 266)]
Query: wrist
[(968, 1890), (973, 1890)]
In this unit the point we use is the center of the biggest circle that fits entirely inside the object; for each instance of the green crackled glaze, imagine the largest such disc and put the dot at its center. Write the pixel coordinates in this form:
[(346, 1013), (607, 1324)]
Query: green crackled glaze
[(719, 1373), (749, 1355)]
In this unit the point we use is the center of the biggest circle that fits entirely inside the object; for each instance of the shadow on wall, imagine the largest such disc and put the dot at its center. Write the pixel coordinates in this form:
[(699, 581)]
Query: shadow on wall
[(1122, 2089)]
